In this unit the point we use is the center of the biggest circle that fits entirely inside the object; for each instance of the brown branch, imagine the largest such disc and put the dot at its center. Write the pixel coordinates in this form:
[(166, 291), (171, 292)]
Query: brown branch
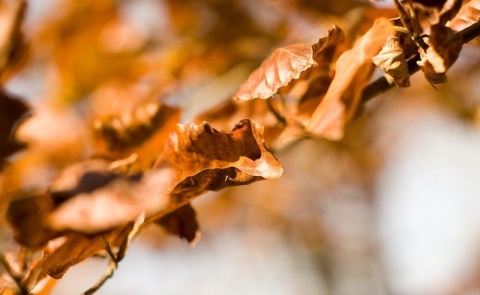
[(381, 85)]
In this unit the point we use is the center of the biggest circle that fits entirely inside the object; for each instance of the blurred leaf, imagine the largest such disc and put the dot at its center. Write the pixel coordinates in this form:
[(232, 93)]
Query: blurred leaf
[(12, 45), (181, 222), (467, 16), (90, 198), (392, 60), (442, 53), (449, 10), (142, 131), (12, 110), (353, 71)]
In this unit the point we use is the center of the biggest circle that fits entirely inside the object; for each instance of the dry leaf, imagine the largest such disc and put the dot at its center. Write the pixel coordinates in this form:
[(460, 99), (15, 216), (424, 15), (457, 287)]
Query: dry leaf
[(89, 198), (75, 249), (181, 222), (442, 53), (284, 65), (353, 71), (392, 60), (12, 110), (467, 16)]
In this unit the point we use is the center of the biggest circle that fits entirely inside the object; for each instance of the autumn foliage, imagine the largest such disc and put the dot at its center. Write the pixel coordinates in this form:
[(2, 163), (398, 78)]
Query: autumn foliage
[(119, 148)]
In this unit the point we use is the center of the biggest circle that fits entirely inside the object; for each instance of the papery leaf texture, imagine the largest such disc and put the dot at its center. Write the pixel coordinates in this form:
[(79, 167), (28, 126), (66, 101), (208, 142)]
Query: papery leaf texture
[(281, 67), (392, 60), (353, 71)]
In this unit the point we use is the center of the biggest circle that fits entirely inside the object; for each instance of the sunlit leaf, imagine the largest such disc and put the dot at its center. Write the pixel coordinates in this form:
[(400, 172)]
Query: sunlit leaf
[(284, 65), (354, 69), (467, 16), (392, 60)]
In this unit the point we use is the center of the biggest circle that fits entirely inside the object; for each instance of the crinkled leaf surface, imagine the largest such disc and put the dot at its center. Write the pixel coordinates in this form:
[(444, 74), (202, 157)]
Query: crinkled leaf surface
[(392, 60), (353, 71), (284, 65), (89, 198)]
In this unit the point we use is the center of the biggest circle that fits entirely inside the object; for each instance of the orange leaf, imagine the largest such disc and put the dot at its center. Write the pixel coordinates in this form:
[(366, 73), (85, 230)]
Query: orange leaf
[(284, 65), (353, 71), (197, 159), (467, 16)]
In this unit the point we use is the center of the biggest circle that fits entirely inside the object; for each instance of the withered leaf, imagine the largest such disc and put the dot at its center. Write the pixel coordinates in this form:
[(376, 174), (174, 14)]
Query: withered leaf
[(354, 69), (76, 248), (442, 53), (197, 159), (26, 215), (181, 222), (12, 110), (467, 16), (281, 67), (392, 60), (212, 160), (102, 200)]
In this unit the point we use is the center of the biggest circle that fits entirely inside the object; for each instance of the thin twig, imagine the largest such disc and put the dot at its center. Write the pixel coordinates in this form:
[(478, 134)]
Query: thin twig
[(15, 277), (112, 266), (381, 85)]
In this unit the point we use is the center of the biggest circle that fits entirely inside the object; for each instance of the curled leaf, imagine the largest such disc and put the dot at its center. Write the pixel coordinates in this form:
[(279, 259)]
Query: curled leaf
[(442, 53), (354, 69), (76, 248), (90, 198), (284, 65), (392, 60)]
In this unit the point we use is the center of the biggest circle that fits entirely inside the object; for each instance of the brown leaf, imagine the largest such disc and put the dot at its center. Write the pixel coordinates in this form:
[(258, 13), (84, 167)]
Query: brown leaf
[(284, 65), (142, 131), (101, 200), (75, 249), (317, 79), (467, 16), (26, 215), (392, 60), (353, 71), (442, 53), (196, 159), (195, 148), (12, 110), (181, 222)]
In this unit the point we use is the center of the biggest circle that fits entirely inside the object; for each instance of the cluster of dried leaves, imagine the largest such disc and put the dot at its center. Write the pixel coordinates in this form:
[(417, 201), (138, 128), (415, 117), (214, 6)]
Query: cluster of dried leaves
[(143, 166)]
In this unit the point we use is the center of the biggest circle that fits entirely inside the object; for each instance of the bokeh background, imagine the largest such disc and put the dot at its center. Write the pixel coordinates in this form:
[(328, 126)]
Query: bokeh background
[(391, 209)]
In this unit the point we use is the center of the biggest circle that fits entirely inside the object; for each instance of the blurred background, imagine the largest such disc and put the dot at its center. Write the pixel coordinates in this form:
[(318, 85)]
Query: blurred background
[(391, 209)]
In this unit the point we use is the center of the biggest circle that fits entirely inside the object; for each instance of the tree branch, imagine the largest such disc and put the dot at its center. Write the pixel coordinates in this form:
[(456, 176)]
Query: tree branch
[(381, 85)]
